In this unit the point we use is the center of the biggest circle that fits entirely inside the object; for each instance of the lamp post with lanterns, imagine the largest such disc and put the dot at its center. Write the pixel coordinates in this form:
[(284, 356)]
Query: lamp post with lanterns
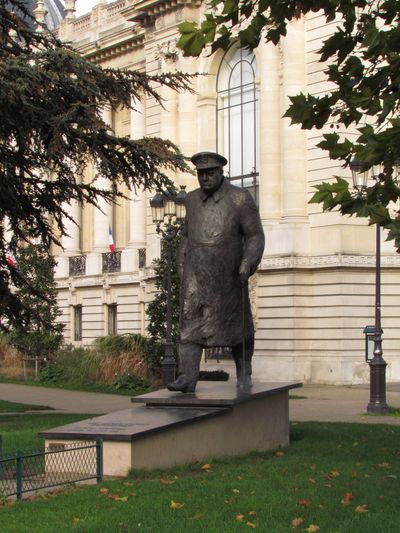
[(377, 402), (168, 207)]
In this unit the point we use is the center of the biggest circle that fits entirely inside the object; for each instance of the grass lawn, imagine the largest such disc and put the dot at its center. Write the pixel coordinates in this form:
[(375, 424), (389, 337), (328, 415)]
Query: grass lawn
[(333, 478), (20, 431), (12, 407), (89, 387)]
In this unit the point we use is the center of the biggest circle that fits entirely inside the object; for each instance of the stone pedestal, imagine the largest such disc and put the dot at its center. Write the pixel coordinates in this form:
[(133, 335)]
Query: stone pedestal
[(170, 428)]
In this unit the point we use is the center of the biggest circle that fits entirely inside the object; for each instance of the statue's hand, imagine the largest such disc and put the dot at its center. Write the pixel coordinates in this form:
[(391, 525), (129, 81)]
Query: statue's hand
[(244, 272)]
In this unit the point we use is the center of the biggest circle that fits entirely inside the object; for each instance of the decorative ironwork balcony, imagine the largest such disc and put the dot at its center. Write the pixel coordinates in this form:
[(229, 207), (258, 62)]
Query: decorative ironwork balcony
[(77, 265), (142, 257), (111, 262)]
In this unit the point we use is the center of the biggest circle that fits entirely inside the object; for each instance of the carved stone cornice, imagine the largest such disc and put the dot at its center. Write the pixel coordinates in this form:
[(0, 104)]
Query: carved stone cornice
[(144, 12), (327, 261), (110, 47)]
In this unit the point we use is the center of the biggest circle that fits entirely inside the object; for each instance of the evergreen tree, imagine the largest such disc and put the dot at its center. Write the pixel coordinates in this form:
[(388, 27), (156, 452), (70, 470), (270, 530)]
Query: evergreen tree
[(157, 309), (51, 103), (362, 57), (39, 337)]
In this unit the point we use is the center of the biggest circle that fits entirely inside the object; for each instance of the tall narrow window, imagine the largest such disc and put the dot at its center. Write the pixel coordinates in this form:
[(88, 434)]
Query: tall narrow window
[(237, 118), (112, 319), (77, 323)]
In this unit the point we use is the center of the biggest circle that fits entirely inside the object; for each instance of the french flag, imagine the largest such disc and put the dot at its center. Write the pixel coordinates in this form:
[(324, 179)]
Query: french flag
[(111, 244), (10, 258)]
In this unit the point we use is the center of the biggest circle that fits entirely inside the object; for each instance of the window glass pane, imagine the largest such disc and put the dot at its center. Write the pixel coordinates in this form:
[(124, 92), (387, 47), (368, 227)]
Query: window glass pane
[(237, 117), (78, 323), (112, 319)]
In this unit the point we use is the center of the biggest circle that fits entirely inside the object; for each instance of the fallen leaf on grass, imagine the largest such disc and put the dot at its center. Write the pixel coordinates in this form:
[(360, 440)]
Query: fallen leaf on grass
[(104, 490), (239, 478), (236, 491), (76, 520), (118, 498), (333, 473), (127, 484), (206, 467), (132, 494), (296, 522), (123, 525), (311, 480), (166, 481), (312, 528), (383, 465), (392, 476), (196, 517), (346, 498), (252, 513), (240, 517), (250, 524), (279, 453), (176, 505), (362, 508), (304, 503), (313, 467)]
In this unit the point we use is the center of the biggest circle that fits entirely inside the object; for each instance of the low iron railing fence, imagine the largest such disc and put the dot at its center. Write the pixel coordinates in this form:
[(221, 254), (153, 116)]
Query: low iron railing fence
[(59, 464)]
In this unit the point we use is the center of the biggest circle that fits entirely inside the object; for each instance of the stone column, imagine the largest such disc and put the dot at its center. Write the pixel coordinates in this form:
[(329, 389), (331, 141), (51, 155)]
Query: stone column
[(102, 218), (294, 145), (268, 63), (137, 210), (71, 241), (167, 54)]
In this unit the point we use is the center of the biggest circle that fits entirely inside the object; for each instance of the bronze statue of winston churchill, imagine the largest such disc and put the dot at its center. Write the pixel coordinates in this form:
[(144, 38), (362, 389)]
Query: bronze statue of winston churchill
[(222, 245)]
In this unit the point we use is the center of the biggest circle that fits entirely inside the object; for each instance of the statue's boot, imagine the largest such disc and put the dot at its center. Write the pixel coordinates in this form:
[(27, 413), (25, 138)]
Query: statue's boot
[(189, 366), (243, 379)]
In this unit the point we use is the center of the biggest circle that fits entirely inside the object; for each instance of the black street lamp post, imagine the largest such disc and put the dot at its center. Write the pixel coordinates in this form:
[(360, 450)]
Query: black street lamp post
[(377, 365), (167, 207)]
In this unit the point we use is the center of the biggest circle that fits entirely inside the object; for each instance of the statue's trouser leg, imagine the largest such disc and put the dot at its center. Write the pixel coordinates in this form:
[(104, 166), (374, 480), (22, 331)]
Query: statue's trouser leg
[(189, 366), (237, 352), (189, 361)]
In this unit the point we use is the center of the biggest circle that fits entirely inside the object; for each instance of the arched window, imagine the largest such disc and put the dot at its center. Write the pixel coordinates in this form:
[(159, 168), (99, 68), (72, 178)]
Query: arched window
[(237, 118)]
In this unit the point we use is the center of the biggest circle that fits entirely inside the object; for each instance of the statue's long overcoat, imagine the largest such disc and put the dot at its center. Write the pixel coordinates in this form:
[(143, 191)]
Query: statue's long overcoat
[(220, 231)]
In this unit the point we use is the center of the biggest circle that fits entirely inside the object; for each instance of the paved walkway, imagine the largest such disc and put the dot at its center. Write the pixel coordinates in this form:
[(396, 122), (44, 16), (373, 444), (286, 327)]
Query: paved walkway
[(322, 403)]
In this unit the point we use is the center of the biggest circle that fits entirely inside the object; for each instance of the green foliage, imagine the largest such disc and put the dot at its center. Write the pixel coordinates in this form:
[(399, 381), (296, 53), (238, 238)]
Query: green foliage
[(131, 383), (113, 344), (157, 309), (120, 361), (150, 348), (41, 335), (363, 70), (51, 103), (51, 373)]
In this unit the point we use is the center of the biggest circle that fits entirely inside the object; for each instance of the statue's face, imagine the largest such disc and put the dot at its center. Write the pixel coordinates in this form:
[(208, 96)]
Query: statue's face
[(210, 179)]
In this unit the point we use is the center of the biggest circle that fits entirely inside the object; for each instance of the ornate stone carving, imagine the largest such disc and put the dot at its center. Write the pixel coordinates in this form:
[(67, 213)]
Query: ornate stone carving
[(167, 51), (321, 261)]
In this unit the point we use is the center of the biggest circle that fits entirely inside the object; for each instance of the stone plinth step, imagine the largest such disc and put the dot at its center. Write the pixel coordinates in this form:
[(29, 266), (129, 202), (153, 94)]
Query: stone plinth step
[(214, 394), (218, 420)]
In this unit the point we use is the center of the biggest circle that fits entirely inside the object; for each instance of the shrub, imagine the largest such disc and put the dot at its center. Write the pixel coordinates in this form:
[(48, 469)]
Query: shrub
[(51, 373), (11, 365), (131, 383), (213, 375)]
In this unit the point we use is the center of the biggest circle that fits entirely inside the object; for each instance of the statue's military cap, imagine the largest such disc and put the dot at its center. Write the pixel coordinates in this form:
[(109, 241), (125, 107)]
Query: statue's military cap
[(208, 160)]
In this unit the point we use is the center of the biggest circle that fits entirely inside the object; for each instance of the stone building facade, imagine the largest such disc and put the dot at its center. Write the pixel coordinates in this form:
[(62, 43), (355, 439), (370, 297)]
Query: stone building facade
[(314, 291)]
